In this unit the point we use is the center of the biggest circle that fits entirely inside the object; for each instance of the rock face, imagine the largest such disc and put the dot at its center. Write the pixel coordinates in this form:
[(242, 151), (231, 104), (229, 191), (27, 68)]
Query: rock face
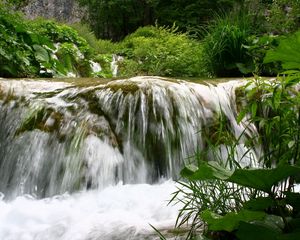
[(62, 10)]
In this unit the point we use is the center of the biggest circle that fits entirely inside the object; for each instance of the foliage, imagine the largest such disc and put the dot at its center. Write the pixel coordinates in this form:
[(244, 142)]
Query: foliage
[(105, 62), (256, 49), (161, 51), (21, 51), (235, 34), (190, 14), (85, 32), (283, 16), (223, 43), (288, 53), (117, 18), (61, 34), (40, 48), (264, 204)]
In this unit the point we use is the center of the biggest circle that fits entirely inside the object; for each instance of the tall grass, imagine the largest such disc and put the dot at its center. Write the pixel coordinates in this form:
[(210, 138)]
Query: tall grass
[(223, 42)]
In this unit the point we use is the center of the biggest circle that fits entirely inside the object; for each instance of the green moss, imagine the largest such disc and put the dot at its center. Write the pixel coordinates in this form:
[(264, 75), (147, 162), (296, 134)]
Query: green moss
[(239, 96), (7, 97), (126, 87), (37, 119)]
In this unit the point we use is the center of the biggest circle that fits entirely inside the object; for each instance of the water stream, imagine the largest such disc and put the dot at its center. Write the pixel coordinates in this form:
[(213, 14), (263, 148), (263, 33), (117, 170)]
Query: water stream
[(98, 161)]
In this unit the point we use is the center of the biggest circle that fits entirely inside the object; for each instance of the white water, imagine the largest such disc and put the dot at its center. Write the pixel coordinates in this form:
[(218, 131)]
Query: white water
[(114, 64), (117, 212), (137, 131)]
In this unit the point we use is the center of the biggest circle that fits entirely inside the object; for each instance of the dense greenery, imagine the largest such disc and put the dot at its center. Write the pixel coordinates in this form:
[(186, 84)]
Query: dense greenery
[(160, 51), (45, 48), (239, 38), (115, 19), (197, 39), (40, 48), (234, 202)]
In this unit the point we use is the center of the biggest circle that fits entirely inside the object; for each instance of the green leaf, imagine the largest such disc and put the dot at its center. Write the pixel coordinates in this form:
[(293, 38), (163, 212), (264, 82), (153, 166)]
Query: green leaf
[(205, 171), (259, 204), (274, 222), (250, 231), (241, 116), (40, 53), (293, 199), (260, 179), (288, 52), (263, 179), (243, 68), (291, 144), (253, 109), (231, 220)]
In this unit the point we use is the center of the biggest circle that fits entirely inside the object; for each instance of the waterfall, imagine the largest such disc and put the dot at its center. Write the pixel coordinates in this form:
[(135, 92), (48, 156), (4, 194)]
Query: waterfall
[(60, 139), (114, 64)]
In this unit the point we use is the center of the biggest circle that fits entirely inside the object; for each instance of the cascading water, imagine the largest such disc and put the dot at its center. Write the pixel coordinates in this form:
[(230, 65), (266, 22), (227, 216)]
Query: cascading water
[(93, 162)]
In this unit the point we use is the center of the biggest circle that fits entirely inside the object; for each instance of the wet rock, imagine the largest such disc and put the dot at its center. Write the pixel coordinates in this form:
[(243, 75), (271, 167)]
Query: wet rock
[(61, 10)]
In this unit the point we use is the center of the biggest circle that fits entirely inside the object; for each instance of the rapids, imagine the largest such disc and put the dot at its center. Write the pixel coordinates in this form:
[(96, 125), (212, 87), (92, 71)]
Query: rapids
[(91, 161)]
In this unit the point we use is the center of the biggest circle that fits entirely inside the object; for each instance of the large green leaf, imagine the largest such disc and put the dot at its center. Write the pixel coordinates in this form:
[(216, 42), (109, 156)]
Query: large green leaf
[(206, 171), (40, 53), (260, 179), (231, 220), (288, 52), (249, 231), (259, 204), (263, 179)]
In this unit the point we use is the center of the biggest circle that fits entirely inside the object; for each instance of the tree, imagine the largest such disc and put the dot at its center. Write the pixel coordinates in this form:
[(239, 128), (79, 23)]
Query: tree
[(114, 19)]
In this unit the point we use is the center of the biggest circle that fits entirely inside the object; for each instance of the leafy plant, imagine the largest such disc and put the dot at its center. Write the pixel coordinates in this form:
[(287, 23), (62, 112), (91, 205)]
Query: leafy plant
[(264, 204), (29, 48), (162, 51), (257, 49), (223, 44), (283, 16)]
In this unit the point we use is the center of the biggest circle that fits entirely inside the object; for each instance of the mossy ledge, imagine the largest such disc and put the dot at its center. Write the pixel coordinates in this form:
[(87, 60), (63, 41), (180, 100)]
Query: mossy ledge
[(125, 86)]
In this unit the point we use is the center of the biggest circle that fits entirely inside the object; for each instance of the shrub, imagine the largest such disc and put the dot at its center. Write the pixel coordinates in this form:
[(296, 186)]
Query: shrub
[(256, 49), (29, 48), (105, 61), (283, 16), (162, 51), (107, 47)]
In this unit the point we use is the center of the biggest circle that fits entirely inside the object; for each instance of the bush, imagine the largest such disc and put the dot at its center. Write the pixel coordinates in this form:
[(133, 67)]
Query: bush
[(29, 48), (161, 51), (16, 55), (257, 49), (283, 16)]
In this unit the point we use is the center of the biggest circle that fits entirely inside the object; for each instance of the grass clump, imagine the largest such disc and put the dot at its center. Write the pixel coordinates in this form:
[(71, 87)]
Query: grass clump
[(223, 51)]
